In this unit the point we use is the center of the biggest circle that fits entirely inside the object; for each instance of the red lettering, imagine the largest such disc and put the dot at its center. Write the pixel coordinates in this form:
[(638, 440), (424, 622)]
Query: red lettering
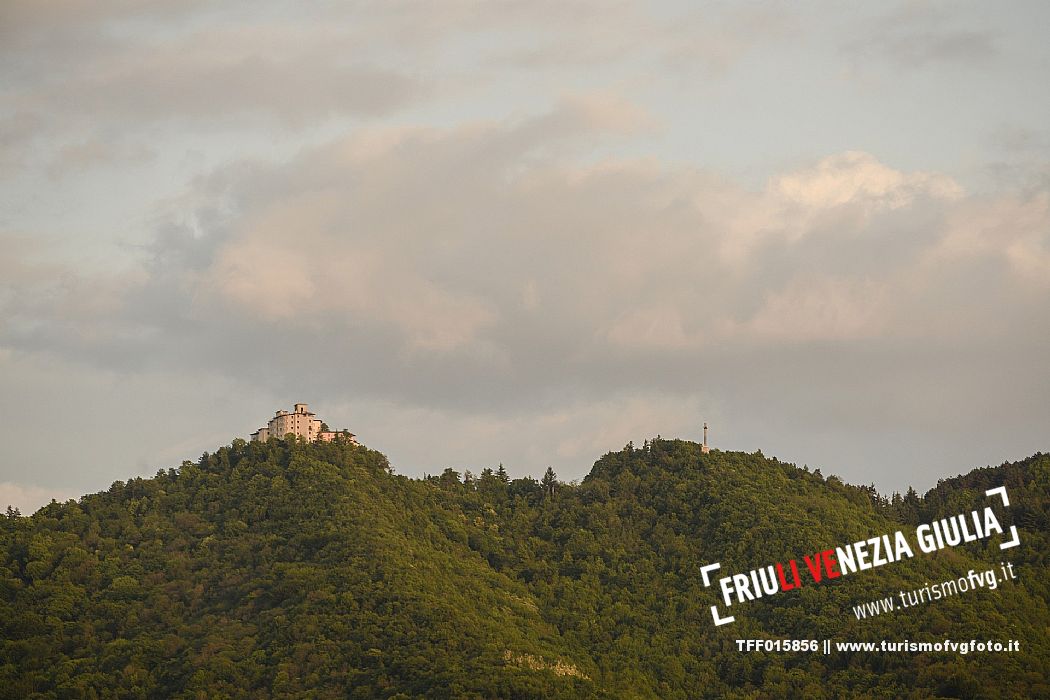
[(784, 586), (814, 566), (831, 564)]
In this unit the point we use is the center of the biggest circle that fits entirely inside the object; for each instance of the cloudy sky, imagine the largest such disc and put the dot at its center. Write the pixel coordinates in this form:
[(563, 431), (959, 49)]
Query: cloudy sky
[(523, 232)]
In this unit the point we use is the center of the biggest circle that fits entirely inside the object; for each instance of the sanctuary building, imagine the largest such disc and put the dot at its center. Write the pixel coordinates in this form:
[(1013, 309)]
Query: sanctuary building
[(301, 423)]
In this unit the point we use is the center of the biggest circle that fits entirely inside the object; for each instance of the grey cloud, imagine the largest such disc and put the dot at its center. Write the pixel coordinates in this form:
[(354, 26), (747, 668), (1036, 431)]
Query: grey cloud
[(196, 80), (1023, 161), (918, 49), (178, 86), (75, 158), (520, 280), (705, 39), (17, 133), (124, 75), (919, 34), (91, 73), (1014, 139)]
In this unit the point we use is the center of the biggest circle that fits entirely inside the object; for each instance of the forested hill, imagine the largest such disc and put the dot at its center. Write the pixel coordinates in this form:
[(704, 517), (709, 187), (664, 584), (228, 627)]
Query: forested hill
[(292, 570)]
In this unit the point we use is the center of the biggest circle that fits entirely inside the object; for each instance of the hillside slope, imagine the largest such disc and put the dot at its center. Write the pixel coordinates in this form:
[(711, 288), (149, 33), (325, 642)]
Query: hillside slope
[(265, 566), (311, 570)]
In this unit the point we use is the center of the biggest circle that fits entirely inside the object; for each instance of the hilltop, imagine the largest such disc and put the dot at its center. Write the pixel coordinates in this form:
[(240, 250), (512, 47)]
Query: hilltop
[(274, 569)]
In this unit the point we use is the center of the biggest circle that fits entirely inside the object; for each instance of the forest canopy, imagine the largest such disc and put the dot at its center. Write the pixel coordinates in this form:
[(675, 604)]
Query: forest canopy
[(285, 569)]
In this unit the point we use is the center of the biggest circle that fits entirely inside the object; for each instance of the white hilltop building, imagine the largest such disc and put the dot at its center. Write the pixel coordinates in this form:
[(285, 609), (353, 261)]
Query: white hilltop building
[(301, 423), (704, 447)]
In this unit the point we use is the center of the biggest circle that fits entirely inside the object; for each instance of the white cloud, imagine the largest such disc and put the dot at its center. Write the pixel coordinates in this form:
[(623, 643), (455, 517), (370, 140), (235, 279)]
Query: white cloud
[(479, 242), (856, 177), (1011, 228)]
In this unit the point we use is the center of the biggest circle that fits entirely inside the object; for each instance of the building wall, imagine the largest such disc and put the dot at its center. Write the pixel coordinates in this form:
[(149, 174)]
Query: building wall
[(300, 422), (329, 435)]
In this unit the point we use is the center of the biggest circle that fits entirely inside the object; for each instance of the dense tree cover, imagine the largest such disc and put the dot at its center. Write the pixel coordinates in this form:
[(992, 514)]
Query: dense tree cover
[(284, 569)]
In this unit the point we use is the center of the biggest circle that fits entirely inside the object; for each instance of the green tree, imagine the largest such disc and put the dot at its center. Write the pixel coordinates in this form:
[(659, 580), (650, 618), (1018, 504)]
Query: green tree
[(549, 482)]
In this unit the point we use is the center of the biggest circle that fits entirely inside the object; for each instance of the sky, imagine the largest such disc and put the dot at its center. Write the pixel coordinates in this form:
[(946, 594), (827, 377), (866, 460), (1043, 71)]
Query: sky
[(523, 232)]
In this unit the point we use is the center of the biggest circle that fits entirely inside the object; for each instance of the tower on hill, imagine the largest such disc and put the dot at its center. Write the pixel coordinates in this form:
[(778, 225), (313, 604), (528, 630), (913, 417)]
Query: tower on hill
[(704, 449)]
